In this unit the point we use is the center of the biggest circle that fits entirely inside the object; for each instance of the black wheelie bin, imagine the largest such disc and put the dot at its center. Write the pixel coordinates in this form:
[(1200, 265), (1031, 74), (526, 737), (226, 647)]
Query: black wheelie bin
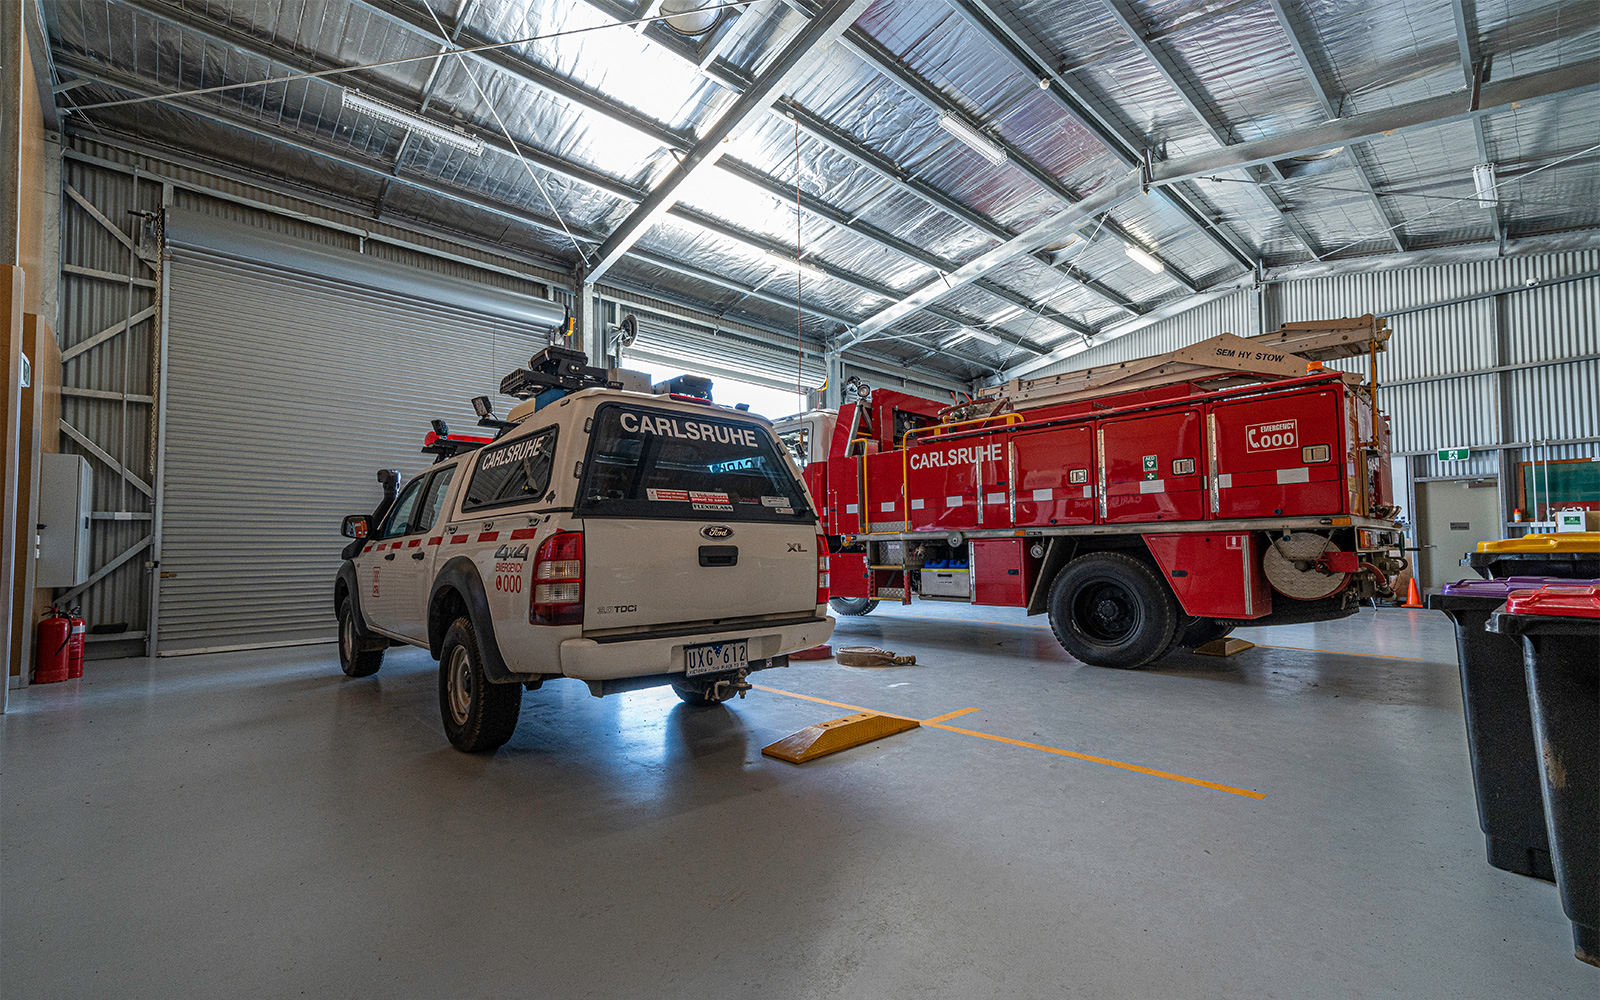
[(1560, 631), (1494, 698)]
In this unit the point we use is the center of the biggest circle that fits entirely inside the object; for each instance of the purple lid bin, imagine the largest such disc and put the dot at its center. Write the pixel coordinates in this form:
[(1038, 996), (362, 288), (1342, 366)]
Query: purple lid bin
[(1503, 587)]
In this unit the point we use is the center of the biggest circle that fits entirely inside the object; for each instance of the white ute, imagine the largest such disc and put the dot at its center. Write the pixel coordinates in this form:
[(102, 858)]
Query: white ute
[(626, 539)]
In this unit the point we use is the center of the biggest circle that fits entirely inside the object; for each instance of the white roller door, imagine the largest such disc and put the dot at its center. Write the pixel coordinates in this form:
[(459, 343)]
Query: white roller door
[(696, 348), (293, 374)]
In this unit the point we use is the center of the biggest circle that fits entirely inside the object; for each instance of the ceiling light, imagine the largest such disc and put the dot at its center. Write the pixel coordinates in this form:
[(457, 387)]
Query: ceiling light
[(1483, 180), (795, 265), (1144, 260), (415, 123), (690, 17), (981, 144)]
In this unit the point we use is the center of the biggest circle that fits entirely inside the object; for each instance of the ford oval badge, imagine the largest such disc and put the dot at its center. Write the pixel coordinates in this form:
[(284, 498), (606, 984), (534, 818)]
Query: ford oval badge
[(715, 532)]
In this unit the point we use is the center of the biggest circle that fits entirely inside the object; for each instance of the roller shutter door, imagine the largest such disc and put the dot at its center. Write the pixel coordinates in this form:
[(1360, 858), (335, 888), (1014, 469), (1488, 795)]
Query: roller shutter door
[(287, 387), (719, 353)]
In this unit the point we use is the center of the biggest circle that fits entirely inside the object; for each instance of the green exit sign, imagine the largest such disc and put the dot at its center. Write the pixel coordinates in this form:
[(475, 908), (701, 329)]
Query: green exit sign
[(1454, 454)]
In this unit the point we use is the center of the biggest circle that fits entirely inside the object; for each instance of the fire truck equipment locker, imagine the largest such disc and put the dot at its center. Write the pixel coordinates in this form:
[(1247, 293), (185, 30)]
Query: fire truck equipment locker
[(1153, 466), (1279, 453), (1002, 573), (1056, 476), (1215, 576)]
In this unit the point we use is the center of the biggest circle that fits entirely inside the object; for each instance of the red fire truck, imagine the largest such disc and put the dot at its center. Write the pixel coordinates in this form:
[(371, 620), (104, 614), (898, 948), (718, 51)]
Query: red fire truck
[(1144, 506)]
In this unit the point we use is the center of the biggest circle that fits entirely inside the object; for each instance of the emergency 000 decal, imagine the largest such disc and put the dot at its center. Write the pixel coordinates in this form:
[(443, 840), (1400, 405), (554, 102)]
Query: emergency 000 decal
[(1271, 437), (958, 457)]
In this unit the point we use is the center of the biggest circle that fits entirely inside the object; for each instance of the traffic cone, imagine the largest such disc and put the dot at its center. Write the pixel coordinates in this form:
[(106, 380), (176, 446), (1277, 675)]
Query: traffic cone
[(1413, 598)]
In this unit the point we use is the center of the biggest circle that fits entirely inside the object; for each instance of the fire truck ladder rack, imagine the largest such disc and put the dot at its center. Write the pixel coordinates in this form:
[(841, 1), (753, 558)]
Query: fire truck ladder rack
[(1291, 350)]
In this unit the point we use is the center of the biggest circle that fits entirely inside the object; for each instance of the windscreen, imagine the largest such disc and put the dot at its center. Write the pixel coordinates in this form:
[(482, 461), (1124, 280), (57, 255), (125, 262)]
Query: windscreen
[(667, 464)]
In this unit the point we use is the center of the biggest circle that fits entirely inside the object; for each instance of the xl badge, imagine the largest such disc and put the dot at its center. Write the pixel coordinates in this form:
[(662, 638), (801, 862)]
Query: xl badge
[(713, 532)]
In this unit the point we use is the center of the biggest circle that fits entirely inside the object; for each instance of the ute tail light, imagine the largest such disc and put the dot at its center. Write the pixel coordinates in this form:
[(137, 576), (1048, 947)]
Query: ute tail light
[(558, 581), (822, 570)]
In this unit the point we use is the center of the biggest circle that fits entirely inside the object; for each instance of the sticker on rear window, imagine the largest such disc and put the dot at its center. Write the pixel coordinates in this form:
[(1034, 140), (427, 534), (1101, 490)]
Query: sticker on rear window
[(776, 502), (699, 497), (670, 496), (716, 507)]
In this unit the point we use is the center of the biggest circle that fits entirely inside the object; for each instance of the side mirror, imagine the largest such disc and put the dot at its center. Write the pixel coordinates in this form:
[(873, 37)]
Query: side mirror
[(354, 526)]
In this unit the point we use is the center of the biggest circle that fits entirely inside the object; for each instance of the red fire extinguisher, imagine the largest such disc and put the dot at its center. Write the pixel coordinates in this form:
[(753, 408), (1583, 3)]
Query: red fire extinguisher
[(50, 648), (80, 629)]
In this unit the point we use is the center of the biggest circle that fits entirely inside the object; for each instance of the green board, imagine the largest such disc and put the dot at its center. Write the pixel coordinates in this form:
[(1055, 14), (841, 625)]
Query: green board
[(1570, 482)]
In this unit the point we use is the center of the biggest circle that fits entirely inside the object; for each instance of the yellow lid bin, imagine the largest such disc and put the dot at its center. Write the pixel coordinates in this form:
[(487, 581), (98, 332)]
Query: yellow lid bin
[(1566, 541), (1572, 555)]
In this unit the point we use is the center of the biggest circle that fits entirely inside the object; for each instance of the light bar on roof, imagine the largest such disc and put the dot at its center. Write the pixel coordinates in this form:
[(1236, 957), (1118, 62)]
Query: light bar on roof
[(1144, 260), (359, 102), (795, 265), (980, 143)]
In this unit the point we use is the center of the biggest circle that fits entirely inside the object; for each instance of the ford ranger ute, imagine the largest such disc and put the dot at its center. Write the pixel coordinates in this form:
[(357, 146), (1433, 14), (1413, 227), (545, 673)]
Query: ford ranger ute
[(624, 538)]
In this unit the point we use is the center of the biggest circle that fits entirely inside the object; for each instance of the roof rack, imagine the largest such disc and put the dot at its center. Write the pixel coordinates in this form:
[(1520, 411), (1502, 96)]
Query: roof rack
[(556, 369)]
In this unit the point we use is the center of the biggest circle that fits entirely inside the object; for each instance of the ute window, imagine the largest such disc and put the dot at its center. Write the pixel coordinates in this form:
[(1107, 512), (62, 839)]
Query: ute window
[(433, 502), (671, 464), (400, 516), (515, 472)]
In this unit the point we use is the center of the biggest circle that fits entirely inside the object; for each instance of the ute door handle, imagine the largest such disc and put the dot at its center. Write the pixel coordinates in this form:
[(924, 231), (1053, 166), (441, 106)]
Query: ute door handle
[(416, 555), (389, 556), (719, 555)]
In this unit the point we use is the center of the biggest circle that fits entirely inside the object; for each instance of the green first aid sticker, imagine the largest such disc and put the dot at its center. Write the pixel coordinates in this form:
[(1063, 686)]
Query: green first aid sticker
[(1149, 463)]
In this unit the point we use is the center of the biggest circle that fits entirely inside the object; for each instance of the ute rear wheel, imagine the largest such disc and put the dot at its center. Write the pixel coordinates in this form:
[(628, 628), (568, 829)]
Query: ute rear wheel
[(1112, 610), (477, 715), (353, 660), (852, 606)]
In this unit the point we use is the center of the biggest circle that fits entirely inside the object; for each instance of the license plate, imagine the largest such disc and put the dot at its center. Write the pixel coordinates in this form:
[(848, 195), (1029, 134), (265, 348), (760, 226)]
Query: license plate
[(715, 657)]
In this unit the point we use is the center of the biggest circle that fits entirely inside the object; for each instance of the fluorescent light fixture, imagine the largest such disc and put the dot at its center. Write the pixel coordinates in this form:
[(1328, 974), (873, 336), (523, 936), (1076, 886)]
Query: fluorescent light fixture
[(1483, 180), (968, 332), (980, 143), (1144, 260), (1011, 313), (795, 265), (359, 102)]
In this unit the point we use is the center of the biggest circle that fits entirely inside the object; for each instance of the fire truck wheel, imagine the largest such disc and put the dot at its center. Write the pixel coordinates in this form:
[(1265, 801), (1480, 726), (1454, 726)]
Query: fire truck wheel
[(1202, 631), (477, 715), (853, 606), (353, 660), (1111, 610)]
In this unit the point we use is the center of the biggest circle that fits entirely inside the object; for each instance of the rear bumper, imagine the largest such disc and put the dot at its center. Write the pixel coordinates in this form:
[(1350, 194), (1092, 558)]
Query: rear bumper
[(589, 660)]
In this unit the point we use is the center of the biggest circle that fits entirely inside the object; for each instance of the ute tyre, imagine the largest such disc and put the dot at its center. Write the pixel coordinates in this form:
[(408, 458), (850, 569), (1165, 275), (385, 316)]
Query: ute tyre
[(1112, 610), (699, 697), (477, 715), (1202, 631), (353, 660), (852, 606)]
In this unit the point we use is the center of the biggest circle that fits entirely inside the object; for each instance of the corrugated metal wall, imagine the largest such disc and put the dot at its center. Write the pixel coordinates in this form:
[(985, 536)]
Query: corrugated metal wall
[(107, 389)]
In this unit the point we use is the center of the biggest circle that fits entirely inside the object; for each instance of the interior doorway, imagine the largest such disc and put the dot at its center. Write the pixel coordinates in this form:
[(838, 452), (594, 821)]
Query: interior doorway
[(1453, 516)]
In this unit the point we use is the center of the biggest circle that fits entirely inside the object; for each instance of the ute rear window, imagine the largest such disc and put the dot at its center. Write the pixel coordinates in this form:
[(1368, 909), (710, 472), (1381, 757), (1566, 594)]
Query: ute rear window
[(669, 464)]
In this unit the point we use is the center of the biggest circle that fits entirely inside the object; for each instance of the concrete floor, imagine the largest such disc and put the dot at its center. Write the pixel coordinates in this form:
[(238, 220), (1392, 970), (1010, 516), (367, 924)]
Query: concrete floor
[(255, 824)]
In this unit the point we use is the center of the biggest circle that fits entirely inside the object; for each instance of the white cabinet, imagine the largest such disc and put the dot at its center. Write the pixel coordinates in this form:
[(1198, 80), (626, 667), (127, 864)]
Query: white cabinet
[(65, 485)]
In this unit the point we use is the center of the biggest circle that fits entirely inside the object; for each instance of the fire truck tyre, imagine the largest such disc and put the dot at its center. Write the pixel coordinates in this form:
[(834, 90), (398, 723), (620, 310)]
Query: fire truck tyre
[(355, 661), (1202, 631), (853, 606), (1111, 610), (701, 696), (477, 715)]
